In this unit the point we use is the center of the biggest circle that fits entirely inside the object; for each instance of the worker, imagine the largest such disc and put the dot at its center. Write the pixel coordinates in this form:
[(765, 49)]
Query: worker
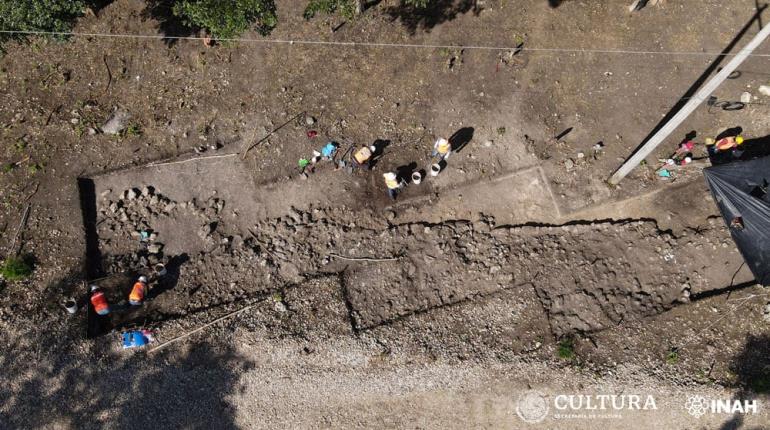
[(728, 143), (363, 157), (442, 148), (138, 292), (328, 151), (99, 301), (391, 181)]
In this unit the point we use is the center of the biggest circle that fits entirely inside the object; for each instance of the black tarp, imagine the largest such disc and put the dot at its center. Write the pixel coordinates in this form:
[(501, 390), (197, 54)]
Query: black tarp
[(740, 191)]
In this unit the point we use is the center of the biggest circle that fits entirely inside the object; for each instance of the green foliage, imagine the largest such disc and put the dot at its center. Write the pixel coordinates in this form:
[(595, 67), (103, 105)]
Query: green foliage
[(346, 8), (15, 269), (38, 15), (227, 19), (34, 168), (672, 357), (133, 129), (566, 349)]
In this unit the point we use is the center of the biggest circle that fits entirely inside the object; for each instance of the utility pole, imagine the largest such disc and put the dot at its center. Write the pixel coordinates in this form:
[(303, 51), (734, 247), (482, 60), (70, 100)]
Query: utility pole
[(689, 108)]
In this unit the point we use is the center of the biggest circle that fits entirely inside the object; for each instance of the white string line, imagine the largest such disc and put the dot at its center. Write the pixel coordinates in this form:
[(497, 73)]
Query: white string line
[(374, 44)]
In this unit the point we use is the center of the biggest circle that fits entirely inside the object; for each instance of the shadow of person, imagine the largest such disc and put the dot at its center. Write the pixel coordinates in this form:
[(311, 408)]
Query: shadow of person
[(755, 148), (379, 150), (171, 278), (461, 138), (404, 173), (730, 132)]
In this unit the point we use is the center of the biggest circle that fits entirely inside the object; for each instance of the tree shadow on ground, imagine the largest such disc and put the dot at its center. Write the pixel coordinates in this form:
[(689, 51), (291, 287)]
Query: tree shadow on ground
[(437, 12), (170, 25), (752, 370), (65, 388)]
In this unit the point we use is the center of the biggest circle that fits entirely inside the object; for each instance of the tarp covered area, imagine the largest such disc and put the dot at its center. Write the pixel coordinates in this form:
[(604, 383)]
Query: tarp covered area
[(740, 191)]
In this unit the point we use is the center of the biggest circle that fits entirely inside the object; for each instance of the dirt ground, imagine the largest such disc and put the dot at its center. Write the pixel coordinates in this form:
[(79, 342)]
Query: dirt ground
[(516, 269)]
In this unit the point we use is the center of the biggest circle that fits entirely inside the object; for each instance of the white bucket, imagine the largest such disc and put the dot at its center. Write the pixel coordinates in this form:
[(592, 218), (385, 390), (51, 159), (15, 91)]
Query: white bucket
[(416, 178), (435, 169), (71, 305), (160, 270)]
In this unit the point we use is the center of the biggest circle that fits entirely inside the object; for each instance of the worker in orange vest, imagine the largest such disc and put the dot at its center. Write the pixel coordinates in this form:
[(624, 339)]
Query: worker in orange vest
[(99, 301), (136, 298)]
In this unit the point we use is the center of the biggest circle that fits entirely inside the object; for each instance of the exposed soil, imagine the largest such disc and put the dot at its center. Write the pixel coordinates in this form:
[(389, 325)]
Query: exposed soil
[(435, 310)]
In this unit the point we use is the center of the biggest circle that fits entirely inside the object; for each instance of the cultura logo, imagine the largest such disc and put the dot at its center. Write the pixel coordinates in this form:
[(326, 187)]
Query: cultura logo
[(532, 407), (698, 406)]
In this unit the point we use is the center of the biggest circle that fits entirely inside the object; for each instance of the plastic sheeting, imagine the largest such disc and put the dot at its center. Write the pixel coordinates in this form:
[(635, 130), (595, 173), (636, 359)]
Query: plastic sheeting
[(740, 191)]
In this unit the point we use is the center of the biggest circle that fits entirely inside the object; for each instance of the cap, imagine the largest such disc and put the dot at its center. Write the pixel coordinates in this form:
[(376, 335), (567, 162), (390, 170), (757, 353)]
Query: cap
[(389, 175), (143, 279), (739, 140), (94, 288)]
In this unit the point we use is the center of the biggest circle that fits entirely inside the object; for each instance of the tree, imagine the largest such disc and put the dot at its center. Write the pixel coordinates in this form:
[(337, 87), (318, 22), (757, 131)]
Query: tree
[(38, 15), (227, 19)]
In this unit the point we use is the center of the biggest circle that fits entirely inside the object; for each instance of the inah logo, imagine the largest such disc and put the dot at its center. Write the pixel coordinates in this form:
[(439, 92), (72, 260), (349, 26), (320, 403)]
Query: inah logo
[(696, 405), (532, 407)]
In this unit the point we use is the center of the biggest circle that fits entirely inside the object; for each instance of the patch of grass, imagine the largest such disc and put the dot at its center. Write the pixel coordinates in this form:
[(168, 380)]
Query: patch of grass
[(132, 130), (672, 357), (9, 167), (501, 130), (16, 269), (566, 350), (277, 296), (445, 52), (20, 144), (34, 168)]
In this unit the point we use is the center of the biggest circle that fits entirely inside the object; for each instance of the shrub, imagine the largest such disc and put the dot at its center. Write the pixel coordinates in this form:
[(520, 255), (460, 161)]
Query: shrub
[(673, 356), (347, 8), (566, 349), (227, 19), (38, 15), (15, 269)]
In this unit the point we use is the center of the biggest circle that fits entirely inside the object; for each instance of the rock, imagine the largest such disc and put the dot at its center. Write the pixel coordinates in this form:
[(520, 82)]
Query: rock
[(206, 230), (117, 122), (569, 164), (746, 97), (105, 192), (131, 194), (764, 90), (390, 215), (488, 143), (309, 120), (147, 191), (155, 248), (169, 207), (280, 307)]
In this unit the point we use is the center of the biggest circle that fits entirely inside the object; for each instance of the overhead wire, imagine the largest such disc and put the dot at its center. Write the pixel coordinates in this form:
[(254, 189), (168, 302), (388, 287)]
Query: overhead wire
[(376, 44)]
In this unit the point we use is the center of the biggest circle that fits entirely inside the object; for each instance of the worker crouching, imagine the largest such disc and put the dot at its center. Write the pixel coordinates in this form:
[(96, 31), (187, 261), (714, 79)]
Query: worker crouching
[(138, 292), (99, 301)]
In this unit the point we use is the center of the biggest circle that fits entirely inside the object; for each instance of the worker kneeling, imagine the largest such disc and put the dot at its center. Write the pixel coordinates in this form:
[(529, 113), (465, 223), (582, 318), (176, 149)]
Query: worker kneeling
[(99, 301), (362, 159), (138, 293)]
